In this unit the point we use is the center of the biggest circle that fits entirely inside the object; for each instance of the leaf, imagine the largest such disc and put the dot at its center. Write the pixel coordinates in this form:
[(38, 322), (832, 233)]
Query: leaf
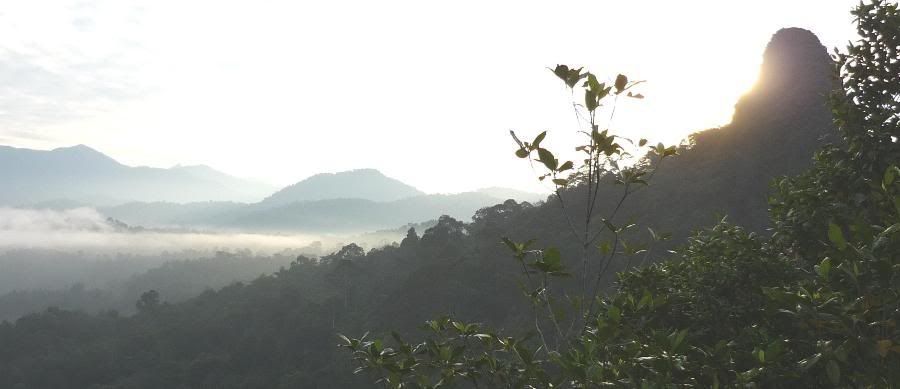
[(561, 71), (574, 76), (599, 137), (614, 313), (516, 138), (547, 158), (566, 166), (646, 300), (836, 236), (522, 153), (890, 230), (560, 181), (642, 142), (551, 256), (569, 76), (591, 100), (652, 234), (592, 83), (512, 246), (679, 338), (621, 82), (538, 139), (889, 176), (774, 349), (605, 247)]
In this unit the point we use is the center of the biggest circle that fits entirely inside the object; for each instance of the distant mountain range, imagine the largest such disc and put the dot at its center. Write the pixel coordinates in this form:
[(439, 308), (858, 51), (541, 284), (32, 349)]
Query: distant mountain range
[(199, 196), (345, 213), (452, 268), (80, 175)]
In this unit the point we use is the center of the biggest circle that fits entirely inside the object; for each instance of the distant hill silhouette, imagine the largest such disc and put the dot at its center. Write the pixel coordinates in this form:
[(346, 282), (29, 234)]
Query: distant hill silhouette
[(199, 196), (351, 201), (366, 184), (80, 175), (246, 335), (358, 215), (345, 214)]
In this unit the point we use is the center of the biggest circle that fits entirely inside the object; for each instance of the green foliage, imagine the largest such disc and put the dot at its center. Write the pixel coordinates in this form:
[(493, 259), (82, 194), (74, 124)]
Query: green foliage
[(809, 305), (814, 305), (561, 313)]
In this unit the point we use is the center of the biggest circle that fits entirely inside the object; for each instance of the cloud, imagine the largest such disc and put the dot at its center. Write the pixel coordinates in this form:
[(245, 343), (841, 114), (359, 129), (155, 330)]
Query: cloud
[(59, 64), (85, 229)]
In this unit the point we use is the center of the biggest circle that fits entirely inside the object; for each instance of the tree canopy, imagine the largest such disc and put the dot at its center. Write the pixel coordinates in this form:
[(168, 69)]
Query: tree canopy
[(816, 304)]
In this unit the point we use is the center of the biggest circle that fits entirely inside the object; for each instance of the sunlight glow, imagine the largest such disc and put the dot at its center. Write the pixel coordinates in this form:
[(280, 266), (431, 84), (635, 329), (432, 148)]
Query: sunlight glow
[(425, 92)]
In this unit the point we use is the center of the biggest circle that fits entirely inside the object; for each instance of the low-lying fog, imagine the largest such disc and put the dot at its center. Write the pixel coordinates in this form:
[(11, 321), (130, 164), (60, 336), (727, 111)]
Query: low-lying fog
[(86, 230), (79, 259)]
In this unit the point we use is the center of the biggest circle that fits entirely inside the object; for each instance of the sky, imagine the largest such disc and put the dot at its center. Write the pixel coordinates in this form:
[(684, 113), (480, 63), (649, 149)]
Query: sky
[(424, 91)]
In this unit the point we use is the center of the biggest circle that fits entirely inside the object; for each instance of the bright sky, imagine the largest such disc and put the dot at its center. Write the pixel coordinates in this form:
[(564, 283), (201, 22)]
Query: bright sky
[(424, 91)]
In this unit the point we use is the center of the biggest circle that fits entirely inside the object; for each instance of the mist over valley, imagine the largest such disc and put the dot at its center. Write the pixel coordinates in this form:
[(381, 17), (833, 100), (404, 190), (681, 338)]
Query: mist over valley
[(680, 224)]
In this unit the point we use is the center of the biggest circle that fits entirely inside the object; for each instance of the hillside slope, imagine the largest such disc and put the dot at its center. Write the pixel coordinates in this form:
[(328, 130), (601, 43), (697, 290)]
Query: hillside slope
[(279, 331), (776, 128)]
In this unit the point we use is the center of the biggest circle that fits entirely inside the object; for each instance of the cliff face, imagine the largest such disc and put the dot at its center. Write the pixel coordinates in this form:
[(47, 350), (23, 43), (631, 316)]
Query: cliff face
[(794, 83), (794, 63), (775, 131)]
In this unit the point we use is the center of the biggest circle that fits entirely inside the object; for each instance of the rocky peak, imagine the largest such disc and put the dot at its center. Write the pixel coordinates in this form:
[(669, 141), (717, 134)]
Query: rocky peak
[(795, 60), (795, 80)]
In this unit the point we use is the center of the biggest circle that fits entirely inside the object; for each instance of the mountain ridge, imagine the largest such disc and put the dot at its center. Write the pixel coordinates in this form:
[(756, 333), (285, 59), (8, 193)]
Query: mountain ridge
[(368, 183), (81, 174), (453, 267)]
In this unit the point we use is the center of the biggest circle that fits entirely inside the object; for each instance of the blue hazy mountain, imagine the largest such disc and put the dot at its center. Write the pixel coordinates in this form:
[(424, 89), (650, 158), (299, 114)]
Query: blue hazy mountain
[(80, 175), (344, 213), (199, 196), (366, 184), (350, 201)]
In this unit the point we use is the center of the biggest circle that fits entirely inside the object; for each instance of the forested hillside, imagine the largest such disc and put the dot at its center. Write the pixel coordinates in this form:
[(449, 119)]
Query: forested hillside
[(97, 284), (808, 304), (811, 304)]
